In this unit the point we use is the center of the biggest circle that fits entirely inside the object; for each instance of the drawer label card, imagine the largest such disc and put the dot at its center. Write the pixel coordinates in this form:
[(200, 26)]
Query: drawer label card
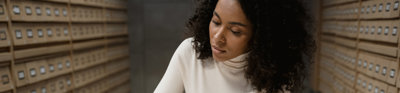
[(42, 70), (5, 79), (21, 75), (3, 35), (68, 64), (392, 72), (61, 83), (364, 84), (379, 30), (1, 10), (65, 31), (28, 10), (38, 11), (40, 32), (387, 7), (394, 33), (48, 11), (384, 71), (57, 12), (68, 82), (16, 10), (369, 87), (65, 12), (60, 66), (51, 68), (386, 30), (32, 72), (18, 34), (377, 68), (44, 90), (370, 66), (49, 32), (29, 32), (372, 29)]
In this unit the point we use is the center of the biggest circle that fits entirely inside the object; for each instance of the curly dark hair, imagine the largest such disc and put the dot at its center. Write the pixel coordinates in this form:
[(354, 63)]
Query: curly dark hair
[(281, 46)]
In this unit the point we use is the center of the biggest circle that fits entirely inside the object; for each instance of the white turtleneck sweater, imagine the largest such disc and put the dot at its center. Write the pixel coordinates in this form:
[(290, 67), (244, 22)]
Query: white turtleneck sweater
[(186, 73)]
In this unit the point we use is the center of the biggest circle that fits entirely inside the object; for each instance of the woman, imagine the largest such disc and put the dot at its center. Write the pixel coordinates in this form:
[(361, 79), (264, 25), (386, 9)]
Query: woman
[(241, 46)]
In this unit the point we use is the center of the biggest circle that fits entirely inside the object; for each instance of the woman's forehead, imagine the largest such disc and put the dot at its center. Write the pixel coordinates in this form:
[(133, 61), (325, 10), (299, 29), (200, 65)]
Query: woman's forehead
[(230, 10)]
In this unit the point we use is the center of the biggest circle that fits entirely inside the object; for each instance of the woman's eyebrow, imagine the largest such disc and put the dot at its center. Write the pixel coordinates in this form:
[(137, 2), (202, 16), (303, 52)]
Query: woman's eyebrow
[(237, 23), (216, 14), (232, 23)]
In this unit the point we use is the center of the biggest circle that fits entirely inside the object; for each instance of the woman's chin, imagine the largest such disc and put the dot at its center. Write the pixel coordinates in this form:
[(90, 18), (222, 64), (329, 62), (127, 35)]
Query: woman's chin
[(218, 58)]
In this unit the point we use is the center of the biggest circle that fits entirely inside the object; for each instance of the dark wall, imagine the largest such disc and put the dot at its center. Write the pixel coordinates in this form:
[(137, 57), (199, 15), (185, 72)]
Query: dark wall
[(156, 28)]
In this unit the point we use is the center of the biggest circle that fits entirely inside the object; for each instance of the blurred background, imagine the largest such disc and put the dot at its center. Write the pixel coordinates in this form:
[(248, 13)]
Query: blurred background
[(124, 46), (156, 27), (358, 47)]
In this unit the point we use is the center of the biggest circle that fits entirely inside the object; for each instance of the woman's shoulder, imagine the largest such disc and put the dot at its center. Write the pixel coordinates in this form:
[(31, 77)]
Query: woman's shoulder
[(185, 54), (188, 42), (186, 47)]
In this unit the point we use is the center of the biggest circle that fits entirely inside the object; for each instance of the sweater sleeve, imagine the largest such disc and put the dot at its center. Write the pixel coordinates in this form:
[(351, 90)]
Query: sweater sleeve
[(172, 80)]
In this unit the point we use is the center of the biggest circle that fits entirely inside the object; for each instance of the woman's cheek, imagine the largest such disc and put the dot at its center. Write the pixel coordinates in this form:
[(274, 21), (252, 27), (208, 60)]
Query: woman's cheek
[(210, 30), (239, 47), (213, 30)]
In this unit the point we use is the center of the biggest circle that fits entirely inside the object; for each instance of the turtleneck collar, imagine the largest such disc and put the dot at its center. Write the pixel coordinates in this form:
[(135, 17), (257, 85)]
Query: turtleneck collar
[(238, 62)]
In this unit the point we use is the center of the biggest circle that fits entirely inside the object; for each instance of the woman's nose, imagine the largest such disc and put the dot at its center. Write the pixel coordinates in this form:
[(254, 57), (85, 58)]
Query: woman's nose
[(219, 36)]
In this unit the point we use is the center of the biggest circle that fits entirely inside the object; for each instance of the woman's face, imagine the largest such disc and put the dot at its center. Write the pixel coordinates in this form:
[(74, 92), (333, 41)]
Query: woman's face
[(230, 31)]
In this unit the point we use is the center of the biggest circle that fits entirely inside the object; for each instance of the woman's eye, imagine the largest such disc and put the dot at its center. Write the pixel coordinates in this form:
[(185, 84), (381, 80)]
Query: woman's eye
[(215, 22), (235, 32)]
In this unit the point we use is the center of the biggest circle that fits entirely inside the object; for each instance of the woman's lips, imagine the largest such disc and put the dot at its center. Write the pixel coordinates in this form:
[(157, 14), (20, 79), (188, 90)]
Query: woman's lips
[(217, 50)]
